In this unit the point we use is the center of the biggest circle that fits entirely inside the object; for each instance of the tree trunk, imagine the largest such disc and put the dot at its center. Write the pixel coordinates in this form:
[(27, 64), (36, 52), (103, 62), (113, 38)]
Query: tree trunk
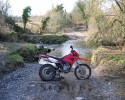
[(86, 23)]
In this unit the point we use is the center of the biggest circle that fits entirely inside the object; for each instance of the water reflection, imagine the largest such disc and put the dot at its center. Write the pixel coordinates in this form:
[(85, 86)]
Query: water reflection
[(78, 45), (64, 49)]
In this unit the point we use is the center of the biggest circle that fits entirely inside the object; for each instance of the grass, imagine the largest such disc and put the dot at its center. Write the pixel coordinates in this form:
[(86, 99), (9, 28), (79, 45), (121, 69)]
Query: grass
[(115, 57), (15, 58), (122, 62), (29, 47), (111, 62), (119, 58), (15, 55)]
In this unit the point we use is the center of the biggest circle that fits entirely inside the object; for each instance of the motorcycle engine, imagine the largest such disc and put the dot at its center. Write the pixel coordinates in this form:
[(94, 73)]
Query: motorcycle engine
[(66, 66)]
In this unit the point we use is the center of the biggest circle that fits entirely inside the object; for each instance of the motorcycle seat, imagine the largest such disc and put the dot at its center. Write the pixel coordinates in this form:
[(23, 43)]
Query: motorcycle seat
[(59, 59)]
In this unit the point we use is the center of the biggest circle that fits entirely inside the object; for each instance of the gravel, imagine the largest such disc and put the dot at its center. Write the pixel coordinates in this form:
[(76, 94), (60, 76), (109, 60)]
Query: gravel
[(25, 84)]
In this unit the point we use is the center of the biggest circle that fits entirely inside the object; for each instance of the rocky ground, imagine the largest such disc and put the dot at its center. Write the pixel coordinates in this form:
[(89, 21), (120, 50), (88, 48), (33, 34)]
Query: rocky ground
[(25, 84)]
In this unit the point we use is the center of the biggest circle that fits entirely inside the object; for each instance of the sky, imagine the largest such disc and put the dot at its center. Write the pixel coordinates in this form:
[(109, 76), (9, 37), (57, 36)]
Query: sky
[(39, 7)]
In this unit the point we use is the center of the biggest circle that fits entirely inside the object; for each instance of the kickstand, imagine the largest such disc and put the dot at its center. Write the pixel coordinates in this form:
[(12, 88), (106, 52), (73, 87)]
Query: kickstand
[(58, 76)]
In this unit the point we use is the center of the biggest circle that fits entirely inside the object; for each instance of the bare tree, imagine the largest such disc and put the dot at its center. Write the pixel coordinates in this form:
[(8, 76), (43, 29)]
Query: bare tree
[(4, 7)]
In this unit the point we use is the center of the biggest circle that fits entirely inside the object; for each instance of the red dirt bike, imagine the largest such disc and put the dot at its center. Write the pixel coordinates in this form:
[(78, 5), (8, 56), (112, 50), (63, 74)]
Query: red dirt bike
[(55, 66)]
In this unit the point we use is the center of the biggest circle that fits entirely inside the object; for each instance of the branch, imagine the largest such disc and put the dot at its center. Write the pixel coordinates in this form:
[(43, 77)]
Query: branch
[(110, 15), (112, 24), (118, 4)]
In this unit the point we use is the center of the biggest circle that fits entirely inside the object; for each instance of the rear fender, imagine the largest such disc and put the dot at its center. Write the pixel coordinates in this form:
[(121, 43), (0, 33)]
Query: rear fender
[(42, 61)]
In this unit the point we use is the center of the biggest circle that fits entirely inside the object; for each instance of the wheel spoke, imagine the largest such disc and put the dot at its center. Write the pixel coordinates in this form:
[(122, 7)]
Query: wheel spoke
[(47, 72), (83, 71)]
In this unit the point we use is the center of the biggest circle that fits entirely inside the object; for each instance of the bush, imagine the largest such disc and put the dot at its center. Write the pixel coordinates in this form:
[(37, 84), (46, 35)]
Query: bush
[(11, 63), (3, 37), (98, 40), (13, 36), (54, 39), (30, 52), (18, 29), (29, 47), (15, 58), (46, 39), (22, 37), (111, 63)]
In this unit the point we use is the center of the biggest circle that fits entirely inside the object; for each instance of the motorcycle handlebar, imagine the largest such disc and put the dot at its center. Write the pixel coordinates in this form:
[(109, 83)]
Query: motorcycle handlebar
[(50, 49), (71, 47)]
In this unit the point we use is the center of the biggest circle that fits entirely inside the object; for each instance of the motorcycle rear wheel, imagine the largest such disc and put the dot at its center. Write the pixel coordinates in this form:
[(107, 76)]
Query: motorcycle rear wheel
[(82, 72), (47, 72)]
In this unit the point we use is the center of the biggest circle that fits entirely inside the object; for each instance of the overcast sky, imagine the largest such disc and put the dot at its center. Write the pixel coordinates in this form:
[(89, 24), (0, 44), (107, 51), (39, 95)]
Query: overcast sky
[(39, 7)]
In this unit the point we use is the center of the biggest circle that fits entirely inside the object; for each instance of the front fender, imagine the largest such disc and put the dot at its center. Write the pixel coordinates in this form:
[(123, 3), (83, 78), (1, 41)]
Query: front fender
[(85, 59)]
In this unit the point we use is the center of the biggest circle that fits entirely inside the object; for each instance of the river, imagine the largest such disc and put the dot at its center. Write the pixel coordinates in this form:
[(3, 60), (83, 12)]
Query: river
[(64, 49)]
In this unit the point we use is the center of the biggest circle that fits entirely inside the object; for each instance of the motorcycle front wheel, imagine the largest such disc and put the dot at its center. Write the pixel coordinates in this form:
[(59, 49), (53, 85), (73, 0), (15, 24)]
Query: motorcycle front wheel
[(82, 72), (47, 72)]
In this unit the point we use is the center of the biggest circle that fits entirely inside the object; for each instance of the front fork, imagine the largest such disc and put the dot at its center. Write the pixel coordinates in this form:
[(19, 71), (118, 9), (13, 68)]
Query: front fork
[(77, 63)]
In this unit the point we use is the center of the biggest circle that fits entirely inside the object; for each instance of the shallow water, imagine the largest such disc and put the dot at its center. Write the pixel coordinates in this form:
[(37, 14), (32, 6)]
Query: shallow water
[(64, 49)]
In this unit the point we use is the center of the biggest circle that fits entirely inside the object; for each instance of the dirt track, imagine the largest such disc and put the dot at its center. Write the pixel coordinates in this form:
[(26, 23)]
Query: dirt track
[(76, 35), (25, 84)]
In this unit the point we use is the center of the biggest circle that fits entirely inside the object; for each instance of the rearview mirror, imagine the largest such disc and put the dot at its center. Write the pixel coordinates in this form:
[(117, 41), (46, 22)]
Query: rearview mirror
[(49, 50), (71, 47)]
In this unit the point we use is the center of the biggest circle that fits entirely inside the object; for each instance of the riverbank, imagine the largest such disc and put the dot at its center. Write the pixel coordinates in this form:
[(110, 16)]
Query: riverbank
[(51, 38), (14, 53)]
